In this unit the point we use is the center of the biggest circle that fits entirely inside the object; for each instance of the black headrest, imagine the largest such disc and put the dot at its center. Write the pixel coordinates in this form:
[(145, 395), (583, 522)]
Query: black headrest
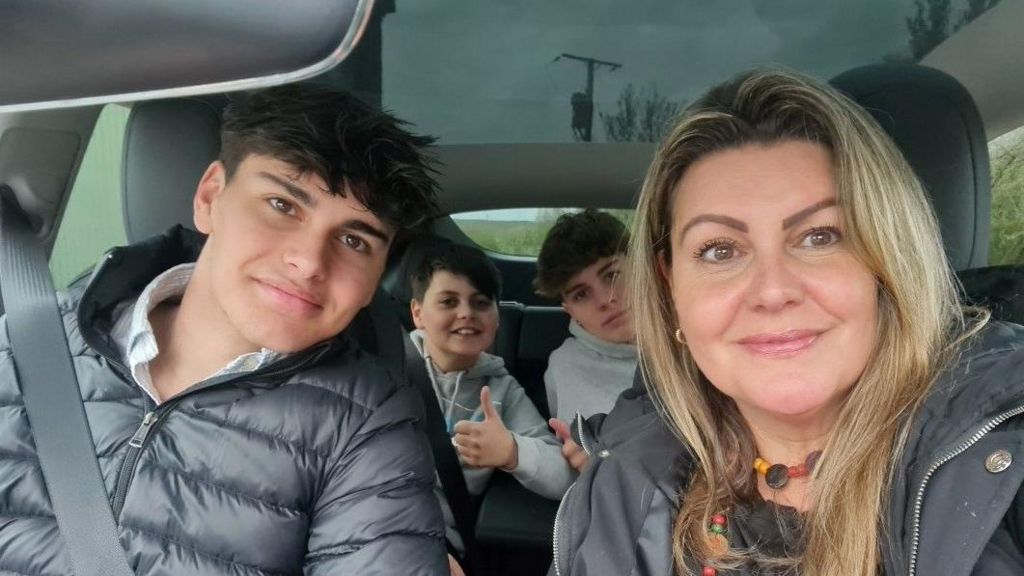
[(934, 121), (167, 146), (396, 279)]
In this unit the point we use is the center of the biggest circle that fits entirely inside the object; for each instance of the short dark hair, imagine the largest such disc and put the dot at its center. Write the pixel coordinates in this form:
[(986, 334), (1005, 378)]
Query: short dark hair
[(331, 133), (576, 241), (460, 260)]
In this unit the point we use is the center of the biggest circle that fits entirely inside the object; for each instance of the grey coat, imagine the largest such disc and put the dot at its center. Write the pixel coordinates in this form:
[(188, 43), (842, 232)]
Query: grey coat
[(956, 509), (311, 465)]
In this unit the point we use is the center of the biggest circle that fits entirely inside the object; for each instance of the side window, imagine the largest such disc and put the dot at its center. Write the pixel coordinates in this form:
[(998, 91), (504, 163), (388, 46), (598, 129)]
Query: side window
[(92, 221), (1007, 239), (517, 231)]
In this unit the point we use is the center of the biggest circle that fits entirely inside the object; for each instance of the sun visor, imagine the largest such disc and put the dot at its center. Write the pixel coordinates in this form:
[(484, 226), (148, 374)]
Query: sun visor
[(86, 52)]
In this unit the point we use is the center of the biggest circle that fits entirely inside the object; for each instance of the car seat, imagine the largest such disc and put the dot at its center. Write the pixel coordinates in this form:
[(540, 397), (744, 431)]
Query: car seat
[(936, 124)]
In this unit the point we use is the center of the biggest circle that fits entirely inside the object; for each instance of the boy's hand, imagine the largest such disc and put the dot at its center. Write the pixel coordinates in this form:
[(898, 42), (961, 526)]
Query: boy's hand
[(453, 567), (570, 449), (486, 444)]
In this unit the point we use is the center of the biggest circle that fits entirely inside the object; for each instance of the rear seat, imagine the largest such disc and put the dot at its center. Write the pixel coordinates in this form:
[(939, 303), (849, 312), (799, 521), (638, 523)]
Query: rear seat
[(543, 329)]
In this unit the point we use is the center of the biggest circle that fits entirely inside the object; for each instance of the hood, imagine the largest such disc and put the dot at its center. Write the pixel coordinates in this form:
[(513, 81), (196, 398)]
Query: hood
[(458, 393), (599, 346), (487, 366)]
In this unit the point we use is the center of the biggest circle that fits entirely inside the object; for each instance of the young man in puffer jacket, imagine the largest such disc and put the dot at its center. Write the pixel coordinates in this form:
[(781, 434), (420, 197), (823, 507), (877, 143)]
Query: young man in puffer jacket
[(237, 432)]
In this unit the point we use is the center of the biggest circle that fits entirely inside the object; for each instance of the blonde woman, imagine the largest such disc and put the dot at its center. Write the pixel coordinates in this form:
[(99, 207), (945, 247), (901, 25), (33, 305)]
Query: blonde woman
[(820, 402)]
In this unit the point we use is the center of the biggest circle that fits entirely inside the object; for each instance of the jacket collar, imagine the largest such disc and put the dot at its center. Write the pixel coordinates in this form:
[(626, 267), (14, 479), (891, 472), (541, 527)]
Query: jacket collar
[(123, 274)]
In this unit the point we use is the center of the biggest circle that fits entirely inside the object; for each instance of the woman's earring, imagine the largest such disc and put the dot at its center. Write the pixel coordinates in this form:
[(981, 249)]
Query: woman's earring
[(679, 336)]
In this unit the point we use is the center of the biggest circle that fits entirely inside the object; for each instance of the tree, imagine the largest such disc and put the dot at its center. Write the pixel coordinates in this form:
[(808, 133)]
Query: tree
[(641, 116), (930, 24)]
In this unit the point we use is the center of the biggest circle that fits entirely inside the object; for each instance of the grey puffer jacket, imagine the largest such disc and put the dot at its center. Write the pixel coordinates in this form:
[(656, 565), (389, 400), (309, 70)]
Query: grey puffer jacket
[(309, 466), (956, 507)]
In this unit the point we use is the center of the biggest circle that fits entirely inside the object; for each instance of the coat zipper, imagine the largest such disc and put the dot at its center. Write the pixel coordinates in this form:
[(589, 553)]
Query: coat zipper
[(150, 423), (155, 418), (583, 439), (561, 505), (558, 521), (919, 501)]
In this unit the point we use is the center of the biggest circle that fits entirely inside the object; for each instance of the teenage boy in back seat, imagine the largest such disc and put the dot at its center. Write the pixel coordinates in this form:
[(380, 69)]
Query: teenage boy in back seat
[(581, 264), (492, 421), (237, 433)]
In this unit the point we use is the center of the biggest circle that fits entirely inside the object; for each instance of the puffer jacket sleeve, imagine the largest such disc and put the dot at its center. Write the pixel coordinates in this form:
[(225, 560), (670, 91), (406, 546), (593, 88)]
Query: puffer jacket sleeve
[(377, 513)]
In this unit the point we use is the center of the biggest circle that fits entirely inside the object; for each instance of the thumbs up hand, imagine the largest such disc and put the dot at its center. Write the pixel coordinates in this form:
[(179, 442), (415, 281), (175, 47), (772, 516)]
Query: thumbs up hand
[(572, 452), (486, 444)]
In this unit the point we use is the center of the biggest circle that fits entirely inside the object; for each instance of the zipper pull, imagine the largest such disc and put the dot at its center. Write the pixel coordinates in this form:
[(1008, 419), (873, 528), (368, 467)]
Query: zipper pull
[(140, 435)]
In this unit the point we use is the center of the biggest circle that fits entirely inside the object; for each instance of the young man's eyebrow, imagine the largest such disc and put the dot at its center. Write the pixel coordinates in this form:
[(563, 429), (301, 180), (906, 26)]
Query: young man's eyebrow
[(573, 288), (609, 264), (800, 215), (366, 228), (296, 192)]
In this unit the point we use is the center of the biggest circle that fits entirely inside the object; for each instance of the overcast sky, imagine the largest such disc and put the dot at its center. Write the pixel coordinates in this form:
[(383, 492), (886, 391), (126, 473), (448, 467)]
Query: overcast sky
[(474, 71)]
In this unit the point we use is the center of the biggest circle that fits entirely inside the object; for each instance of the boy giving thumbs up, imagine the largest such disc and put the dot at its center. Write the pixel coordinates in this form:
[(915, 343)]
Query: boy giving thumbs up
[(492, 421)]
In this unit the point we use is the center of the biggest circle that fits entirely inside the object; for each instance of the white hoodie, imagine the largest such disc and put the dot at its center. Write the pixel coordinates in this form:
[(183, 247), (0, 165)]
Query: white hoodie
[(541, 468)]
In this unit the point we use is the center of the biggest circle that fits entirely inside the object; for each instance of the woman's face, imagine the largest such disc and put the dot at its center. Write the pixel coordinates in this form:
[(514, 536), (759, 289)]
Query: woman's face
[(775, 308)]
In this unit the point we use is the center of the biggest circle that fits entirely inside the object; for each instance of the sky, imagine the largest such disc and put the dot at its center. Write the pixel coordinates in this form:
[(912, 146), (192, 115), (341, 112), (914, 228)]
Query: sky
[(475, 71)]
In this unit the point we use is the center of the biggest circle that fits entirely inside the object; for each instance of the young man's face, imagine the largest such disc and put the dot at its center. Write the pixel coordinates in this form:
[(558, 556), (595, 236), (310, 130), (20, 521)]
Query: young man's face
[(594, 297), (286, 264), (459, 320)]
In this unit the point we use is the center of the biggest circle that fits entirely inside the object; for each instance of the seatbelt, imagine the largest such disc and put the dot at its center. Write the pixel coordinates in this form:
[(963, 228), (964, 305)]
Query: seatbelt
[(445, 458), (53, 401)]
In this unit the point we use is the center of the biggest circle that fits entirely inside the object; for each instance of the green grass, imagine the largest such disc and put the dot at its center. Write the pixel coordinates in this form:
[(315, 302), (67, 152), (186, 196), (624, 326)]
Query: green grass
[(1007, 243), (522, 238)]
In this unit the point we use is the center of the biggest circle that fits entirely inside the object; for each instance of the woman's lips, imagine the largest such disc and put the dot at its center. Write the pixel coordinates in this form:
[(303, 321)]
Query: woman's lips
[(780, 345)]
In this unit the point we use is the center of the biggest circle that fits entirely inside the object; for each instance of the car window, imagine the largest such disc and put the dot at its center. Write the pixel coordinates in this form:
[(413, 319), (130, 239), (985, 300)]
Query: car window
[(92, 220), (517, 231), (1007, 236), (614, 71)]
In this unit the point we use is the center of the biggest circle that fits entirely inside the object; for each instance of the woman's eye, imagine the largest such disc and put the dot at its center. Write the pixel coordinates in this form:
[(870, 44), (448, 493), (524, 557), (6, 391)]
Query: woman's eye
[(482, 303), (281, 205), (354, 242), (717, 252), (580, 295), (820, 237), (611, 276)]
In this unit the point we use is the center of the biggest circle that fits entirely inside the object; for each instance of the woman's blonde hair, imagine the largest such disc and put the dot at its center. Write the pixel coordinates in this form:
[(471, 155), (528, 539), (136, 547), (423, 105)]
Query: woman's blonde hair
[(890, 227)]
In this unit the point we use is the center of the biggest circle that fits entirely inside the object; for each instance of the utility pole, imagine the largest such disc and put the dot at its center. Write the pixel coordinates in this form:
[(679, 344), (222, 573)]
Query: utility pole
[(583, 102)]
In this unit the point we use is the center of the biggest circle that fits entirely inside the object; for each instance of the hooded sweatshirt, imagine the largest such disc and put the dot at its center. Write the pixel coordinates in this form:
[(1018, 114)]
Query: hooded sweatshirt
[(586, 374), (541, 466)]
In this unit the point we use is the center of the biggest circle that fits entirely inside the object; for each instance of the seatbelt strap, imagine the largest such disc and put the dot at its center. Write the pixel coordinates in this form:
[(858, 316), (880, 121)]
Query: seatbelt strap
[(453, 483), (53, 401)]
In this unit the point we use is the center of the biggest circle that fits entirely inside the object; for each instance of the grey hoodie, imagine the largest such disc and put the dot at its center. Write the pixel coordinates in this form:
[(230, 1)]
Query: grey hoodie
[(586, 374), (541, 469)]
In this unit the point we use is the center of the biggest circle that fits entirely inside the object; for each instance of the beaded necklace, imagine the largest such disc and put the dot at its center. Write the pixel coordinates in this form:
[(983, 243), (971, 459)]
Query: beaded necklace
[(776, 476)]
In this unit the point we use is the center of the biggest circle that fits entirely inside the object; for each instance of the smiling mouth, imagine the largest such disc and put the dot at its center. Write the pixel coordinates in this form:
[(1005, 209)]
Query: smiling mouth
[(466, 332), (287, 300), (780, 345)]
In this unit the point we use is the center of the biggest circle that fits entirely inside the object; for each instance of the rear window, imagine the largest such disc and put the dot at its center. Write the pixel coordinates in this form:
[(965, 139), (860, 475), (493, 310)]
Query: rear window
[(92, 221), (517, 231), (1007, 236)]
